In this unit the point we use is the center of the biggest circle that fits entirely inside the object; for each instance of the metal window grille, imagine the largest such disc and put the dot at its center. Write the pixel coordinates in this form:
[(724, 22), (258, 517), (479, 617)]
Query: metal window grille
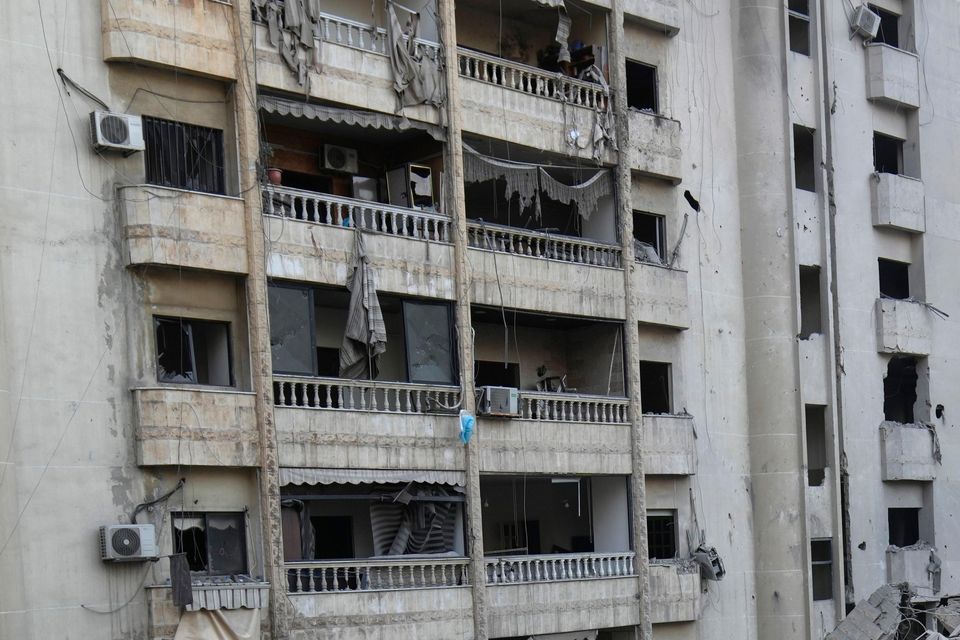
[(661, 535), (183, 156)]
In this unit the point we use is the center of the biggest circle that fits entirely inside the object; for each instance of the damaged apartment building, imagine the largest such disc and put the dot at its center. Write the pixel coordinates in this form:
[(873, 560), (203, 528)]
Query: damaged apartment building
[(486, 319)]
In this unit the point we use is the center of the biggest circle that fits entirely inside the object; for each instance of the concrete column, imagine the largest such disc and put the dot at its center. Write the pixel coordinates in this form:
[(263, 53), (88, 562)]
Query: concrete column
[(631, 331), (457, 211), (765, 173), (261, 366)]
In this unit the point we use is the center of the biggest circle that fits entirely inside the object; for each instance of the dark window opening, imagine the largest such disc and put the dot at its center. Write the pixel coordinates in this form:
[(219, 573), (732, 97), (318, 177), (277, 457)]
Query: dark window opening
[(889, 32), (799, 25), (642, 87), (497, 374), (799, 6), (661, 535), (655, 387), (821, 561), (900, 390), (816, 444), (649, 234), (193, 351), (887, 154), (804, 163), (903, 525), (214, 543), (333, 536), (328, 362), (894, 279), (811, 321), (183, 156)]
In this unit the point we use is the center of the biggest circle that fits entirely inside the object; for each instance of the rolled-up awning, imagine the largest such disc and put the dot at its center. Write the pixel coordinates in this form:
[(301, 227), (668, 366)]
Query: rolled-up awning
[(366, 119), (291, 475)]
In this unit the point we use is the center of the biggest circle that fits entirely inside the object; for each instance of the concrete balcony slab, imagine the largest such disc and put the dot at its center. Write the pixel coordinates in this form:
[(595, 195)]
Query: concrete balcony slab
[(893, 76), (903, 326), (654, 148), (907, 452), (661, 295), (669, 445), (674, 592), (661, 15), (897, 202)]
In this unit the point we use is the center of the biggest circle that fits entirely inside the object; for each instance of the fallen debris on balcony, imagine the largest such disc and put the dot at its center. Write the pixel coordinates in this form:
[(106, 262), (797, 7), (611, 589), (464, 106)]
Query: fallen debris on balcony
[(876, 618)]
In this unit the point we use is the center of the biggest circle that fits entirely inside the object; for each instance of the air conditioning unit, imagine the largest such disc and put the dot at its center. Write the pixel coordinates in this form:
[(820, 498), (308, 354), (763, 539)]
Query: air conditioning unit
[(499, 401), (128, 543), (116, 132), (339, 158), (865, 23)]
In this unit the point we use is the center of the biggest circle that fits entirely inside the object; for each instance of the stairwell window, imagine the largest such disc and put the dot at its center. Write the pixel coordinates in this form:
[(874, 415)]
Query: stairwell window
[(183, 156), (214, 543), (799, 22)]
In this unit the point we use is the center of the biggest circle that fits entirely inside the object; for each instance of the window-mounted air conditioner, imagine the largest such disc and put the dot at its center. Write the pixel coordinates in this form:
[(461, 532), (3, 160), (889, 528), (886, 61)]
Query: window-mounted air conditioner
[(128, 543), (116, 132), (865, 22), (499, 401), (339, 158)]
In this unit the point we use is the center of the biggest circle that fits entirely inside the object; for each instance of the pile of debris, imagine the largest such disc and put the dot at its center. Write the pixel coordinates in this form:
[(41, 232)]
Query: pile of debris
[(888, 615)]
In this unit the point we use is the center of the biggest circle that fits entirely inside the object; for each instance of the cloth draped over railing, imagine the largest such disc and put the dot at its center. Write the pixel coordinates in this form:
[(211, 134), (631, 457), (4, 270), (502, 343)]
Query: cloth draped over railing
[(365, 336), (352, 117), (417, 76), (530, 180), (294, 25)]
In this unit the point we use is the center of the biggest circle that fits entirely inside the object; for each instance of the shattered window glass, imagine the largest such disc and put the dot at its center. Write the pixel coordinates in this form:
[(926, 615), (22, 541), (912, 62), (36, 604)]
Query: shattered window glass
[(291, 330), (214, 543), (426, 327), (175, 362)]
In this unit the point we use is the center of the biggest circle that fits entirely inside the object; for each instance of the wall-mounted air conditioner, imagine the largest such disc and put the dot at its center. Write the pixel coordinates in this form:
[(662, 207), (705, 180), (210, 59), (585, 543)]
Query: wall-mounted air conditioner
[(865, 22), (116, 132), (128, 543), (339, 158), (499, 401)]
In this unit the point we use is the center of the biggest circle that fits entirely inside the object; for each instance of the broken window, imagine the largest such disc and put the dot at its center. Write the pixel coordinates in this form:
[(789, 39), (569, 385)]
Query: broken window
[(799, 23), (650, 237), (894, 279), (900, 390), (804, 163), (214, 543), (887, 154), (191, 351), (821, 569), (496, 374), (183, 156), (889, 32), (661, 534), (655, 387), (291, 330), (810, 311), (816, 444), (903, 525), (427, 331), (642, 87)]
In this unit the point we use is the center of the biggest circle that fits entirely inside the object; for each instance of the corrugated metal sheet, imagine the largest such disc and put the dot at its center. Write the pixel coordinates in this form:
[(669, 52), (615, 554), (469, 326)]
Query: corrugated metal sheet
[(292, 475), (254, 595)]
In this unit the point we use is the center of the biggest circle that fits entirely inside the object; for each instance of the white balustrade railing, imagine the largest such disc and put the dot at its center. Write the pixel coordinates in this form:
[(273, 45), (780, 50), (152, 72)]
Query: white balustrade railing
[(543, 245), (556, 567), (363, 395), (531, 80), (322, 208), (376, 575), (570, 407)]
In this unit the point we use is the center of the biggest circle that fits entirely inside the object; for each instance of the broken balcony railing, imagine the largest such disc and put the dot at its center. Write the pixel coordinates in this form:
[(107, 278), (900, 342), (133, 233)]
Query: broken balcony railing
[(363, 395), (557, 567), (543, 245), (531, 80), (376, 574), (321, 208), (567, 407)]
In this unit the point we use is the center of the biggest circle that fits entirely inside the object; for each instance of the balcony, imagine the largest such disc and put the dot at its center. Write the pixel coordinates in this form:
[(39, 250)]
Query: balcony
[(354, 64), (908, 452), (661, 295), (898, 202), (329, 422), (559, 567), (171, 227), (893, 76), (339, 576), (197, 37), (903, 326), (203, 427), (674, 591), (559, 433), (909, 564), (669, 445), (661, 15), (655, 146)]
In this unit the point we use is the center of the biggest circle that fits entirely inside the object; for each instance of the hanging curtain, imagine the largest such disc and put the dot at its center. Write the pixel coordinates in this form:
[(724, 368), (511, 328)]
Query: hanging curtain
[(585, 195)]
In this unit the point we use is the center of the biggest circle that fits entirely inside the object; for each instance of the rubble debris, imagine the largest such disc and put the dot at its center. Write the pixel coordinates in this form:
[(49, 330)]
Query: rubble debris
[(948, 615), (876, 618)]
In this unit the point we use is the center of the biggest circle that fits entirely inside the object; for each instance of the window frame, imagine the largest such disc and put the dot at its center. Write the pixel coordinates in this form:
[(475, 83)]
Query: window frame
[(158, 318), (651, 547), (312, 312), (241, 518), (657, 102), (451, 340), (661, 227), (821, 563), (165, 139)]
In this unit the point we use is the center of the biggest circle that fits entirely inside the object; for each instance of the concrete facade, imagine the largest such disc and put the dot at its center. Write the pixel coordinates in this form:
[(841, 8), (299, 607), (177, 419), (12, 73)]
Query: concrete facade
[(94, 431)]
